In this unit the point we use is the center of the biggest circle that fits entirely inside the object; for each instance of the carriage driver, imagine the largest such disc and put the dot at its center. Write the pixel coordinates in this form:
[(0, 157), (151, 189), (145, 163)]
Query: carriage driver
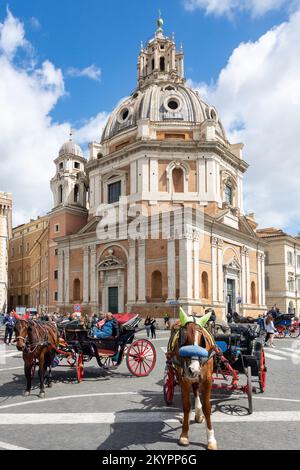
[(104, 329)]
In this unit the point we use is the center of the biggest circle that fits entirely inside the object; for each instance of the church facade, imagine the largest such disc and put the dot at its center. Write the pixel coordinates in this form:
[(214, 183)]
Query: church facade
[(154, 218)]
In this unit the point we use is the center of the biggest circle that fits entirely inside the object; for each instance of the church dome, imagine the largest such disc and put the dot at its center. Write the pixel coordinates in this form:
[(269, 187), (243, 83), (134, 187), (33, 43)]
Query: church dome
[(70, 148), (167, 103)]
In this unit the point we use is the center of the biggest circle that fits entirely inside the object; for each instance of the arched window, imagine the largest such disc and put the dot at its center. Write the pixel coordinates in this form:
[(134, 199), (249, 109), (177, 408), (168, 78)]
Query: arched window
[(253, 293), (60, 194), (76, 193), (76, 290), (156, 285), (162, 64), (204, 285), (178, 180)]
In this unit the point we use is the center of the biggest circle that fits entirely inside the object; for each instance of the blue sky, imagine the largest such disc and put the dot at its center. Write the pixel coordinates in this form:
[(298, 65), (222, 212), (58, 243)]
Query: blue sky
[(77, 33), (67, 63)]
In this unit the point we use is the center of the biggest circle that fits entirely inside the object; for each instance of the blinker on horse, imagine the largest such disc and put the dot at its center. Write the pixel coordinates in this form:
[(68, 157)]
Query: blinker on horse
[(193, 359), (38, 342)]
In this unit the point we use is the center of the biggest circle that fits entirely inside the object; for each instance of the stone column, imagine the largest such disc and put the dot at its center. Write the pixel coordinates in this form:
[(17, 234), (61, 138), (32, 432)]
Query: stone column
[(60, 280), (196, 267), (259, 283), (131, 273), (247, 276), (93, 275), (263, 287), (67, 275), (86, 256), (171, 269), (220, 272), (121, 291), (142, 270), (185, 267), (214, 243), (244, 274)]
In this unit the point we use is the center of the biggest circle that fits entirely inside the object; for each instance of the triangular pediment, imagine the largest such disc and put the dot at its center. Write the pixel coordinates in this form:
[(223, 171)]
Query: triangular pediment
[(90, 227)]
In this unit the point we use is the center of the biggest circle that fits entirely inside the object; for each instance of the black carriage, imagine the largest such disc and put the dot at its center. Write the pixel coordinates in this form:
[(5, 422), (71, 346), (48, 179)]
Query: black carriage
[(78, 347), (241, 353)]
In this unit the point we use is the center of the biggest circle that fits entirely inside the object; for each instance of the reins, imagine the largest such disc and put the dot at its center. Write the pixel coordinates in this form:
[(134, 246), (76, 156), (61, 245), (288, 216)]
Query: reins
[(41, 332)]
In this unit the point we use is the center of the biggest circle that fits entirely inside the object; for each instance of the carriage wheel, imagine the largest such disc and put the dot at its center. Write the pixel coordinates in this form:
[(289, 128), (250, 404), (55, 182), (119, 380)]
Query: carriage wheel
[(141, 358), (249, 390), (281, 331), (294, 330), (169, 386), (71, 359), (33, 367), (80, 370), (262, 373)]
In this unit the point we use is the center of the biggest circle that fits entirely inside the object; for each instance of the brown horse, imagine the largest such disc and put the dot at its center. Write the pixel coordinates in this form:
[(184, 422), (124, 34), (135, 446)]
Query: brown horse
[(38, 342), (196, 374)]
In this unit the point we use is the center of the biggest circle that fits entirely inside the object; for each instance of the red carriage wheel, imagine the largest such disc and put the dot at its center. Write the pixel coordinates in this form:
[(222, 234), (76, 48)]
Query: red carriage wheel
[(281, 331), (141, 358), (262, 373), (71, 359), (80, 371), (294, 330), (169, 385)]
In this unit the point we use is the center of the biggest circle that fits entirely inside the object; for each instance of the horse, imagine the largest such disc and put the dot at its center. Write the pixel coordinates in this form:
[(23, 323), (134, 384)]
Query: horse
[(197, 374), (38, 341)]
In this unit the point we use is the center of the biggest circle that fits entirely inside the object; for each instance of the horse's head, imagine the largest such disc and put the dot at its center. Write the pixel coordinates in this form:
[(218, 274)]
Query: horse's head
[(21, 331), (192, 335)]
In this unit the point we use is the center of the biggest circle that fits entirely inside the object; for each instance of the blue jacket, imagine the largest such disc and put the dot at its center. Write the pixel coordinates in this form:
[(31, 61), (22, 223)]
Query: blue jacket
[(9, 322)]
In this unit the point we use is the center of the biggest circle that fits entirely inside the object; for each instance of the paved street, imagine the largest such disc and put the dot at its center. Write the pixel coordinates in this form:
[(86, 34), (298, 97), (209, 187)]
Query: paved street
[(112, 410)]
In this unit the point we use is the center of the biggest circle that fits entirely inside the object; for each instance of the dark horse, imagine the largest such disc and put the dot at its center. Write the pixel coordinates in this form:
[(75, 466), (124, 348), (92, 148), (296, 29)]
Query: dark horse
[(196, 374), (38, 342)]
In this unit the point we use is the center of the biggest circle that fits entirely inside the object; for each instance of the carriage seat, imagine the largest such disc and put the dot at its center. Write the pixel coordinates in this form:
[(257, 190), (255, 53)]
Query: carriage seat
[(227, 338)]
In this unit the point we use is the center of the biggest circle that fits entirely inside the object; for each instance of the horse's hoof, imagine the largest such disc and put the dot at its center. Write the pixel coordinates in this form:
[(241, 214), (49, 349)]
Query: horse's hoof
[(41, 395), (212, 445), (26, 393), (199, 419), (183, 441), (50, 384)]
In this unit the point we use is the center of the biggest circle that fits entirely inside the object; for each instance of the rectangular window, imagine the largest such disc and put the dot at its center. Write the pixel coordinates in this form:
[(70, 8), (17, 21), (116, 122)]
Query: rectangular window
[(61, 166), (77, 166), (114, 192), (56, 228), (290, 258), (56, 251), (56, 274), (228, 195), (56, 296)]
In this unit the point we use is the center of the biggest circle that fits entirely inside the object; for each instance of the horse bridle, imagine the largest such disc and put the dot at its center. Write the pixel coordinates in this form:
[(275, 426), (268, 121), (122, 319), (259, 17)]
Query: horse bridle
[(34, 345)]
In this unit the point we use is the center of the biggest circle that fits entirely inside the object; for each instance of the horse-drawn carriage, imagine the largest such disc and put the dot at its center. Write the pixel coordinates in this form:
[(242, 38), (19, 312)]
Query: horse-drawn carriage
[(239, 352), (78, 347), (286, 325), (71, 344)]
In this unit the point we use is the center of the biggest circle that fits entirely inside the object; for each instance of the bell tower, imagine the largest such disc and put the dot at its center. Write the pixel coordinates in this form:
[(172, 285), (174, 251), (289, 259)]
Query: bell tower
[(69, 185), (160, 61)]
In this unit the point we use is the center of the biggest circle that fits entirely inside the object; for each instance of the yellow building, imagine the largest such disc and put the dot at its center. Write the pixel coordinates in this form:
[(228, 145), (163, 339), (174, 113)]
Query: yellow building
[(164, 223)]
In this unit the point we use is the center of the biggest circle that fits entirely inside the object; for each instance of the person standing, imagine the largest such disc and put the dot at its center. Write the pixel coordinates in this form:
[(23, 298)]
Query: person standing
[(270, 330), (9, 322), (153, 328), (147, 325), (167, 321)]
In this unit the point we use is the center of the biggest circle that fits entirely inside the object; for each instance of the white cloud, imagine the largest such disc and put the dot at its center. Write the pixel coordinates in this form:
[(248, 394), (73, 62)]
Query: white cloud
[(29, 139), (12, 35), (35, 23), (92, 72), (229, 7), (258, 97)]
